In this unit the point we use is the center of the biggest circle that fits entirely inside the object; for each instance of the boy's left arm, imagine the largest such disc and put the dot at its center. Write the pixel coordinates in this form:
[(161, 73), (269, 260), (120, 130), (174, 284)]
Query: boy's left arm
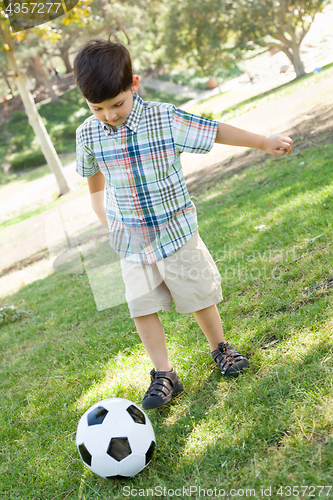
[(233, 136)]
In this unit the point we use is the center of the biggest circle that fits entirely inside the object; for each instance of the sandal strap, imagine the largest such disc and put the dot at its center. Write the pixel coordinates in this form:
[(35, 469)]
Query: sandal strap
[(226, 356), (160, 383)]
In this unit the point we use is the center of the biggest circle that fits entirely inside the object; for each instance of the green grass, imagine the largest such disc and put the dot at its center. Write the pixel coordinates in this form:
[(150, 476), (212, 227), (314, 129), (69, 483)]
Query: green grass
[(271, 427)]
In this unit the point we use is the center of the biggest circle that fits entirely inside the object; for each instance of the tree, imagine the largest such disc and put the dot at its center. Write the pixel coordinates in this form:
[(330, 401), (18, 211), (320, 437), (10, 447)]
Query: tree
[(36, 70), (280, 24), (196, 32), (7, 41), (206, 33), (4, 72), (119, 20), (35, 119), (64, 47)]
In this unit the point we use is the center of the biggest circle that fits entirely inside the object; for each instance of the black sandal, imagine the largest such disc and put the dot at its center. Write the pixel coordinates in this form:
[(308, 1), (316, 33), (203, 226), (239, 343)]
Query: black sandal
[(162, 387), (230, 362)]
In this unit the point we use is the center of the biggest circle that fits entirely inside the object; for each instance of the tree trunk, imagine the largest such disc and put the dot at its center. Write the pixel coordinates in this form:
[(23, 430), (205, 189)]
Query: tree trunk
[(64, 54), (297, 61), (5, 77), (32, 71), (37, 71), (293, 54), (36, 122)]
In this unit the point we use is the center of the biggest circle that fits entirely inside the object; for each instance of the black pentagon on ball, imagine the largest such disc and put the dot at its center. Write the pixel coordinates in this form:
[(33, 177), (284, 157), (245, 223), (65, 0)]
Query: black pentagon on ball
[(136, 414), (97, 415), (119, 448), (85, 455), (150, 452)]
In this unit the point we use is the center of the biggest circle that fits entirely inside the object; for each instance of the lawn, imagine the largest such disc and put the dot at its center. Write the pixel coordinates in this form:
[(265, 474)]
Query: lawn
[(269, 228)]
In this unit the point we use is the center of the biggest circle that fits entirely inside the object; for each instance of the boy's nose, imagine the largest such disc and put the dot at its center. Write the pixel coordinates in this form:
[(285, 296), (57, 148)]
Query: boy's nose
[(110, 116)]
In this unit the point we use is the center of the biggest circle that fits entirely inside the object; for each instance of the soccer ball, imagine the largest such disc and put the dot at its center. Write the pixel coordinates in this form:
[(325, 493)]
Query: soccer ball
[(115, 438)]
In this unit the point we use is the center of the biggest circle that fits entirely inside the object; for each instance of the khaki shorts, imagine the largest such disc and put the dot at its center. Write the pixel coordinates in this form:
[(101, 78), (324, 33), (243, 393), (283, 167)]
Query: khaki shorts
[(189, 277)]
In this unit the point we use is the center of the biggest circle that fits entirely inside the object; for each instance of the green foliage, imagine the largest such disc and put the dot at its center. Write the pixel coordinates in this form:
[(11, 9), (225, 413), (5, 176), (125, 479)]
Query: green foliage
[(66, 131), (196, 39), (190, 77), (18, 125), (61, 120), (208, 113), (28, 159), (274, 24), (16, 117), (211, 34)]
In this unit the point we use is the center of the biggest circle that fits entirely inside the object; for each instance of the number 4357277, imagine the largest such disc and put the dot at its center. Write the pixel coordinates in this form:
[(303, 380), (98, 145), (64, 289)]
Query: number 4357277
[(32, 8)]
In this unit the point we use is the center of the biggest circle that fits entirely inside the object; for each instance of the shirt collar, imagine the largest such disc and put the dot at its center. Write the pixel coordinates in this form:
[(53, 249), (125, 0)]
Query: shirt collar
[(133, 119)]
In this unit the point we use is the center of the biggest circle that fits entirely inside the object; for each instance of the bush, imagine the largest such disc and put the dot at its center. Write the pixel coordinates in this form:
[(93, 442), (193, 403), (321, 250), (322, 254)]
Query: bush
[(18, 141), (17, 116), (21, 161), (66, 132), (208, 113)]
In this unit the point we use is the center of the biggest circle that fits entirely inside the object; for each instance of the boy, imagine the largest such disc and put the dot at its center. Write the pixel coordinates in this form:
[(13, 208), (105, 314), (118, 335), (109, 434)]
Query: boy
[(132, 148)]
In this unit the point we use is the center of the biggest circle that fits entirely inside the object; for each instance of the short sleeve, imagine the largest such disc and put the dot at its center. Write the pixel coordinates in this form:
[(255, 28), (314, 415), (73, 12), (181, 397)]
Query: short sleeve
[(192, 133), (86, 164)]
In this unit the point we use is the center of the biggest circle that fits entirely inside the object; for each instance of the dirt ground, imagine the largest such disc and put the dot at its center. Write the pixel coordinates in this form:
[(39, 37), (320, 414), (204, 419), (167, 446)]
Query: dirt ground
[(306, 116)]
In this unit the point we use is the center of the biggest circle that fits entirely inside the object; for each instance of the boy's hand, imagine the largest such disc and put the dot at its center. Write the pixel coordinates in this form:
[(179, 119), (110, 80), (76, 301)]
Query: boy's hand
[(278, 145)]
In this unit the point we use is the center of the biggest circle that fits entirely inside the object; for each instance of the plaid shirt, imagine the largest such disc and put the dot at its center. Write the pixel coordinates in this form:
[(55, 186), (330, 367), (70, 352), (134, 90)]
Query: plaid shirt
[(149, 211)]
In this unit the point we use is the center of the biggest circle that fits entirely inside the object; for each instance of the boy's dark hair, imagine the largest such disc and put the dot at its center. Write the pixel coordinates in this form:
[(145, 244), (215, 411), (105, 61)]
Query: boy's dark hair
[(103, 70)]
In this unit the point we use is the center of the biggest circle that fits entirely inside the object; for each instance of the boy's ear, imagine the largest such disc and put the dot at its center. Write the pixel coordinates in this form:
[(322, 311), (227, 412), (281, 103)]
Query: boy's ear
[(135, 84)]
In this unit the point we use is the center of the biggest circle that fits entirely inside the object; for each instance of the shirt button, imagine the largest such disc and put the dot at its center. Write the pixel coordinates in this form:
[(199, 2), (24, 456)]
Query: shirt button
[(123, 146), (141, 217), (134, 195)]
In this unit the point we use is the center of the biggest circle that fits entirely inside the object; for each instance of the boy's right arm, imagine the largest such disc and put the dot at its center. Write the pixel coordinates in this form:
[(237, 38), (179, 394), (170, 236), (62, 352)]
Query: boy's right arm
[(96, 184)]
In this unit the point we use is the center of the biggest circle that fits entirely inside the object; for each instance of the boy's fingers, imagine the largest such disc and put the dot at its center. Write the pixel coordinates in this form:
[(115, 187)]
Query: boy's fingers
[(280, 152), (289, 142), (279, 145), (286, 147), (286, 144)]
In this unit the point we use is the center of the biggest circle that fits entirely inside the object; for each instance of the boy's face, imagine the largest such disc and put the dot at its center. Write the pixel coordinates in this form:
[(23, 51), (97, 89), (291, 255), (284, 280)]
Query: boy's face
[(115, 111)]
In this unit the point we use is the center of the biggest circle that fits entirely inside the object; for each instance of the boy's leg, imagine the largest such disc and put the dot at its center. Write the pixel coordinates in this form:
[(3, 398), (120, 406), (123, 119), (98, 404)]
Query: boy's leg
[(210, 323), (225, 355), (151, 333), (164, 380)]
